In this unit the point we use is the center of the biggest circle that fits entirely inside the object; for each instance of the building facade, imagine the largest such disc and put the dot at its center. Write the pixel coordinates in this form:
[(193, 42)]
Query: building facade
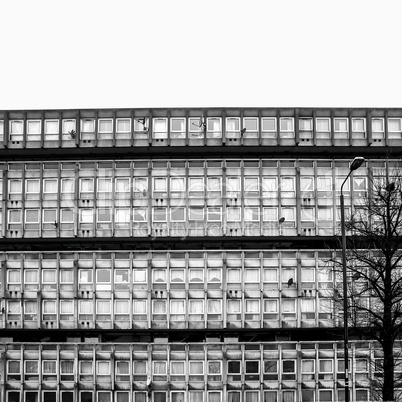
[(182, 255)]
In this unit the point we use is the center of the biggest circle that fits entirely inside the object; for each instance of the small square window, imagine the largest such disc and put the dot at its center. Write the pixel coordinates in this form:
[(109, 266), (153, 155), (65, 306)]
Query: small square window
[(88, 125), (51, 127), (105, 125), (123, 125), (33, 127)]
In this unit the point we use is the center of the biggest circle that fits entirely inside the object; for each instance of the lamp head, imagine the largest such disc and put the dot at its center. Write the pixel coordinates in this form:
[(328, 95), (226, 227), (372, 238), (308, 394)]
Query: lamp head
[(356, 163)]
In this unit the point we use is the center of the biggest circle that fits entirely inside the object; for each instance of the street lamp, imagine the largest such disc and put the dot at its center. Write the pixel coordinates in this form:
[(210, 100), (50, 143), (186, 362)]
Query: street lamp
[(356, 163)]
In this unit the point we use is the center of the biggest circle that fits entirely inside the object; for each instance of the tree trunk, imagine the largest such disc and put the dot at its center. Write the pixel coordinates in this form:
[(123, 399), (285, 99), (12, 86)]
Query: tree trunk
[(388, 386)]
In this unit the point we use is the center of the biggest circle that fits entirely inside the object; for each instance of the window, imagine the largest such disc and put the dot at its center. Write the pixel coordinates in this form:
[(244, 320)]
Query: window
[(341, 128), (214, 370), (177, 370), (66, 370), (13, 278), (103, 279), (306, 128), (86, 370), (123, 128), (288, 308), (49, 310), (214, 309), (33, 130), (31, 396), (31, 217), (250, 125), (270, 309), (104, 217), (85, 276), (66, 277), (234, 370), (66, 216), (196, 370), (103, 367), (15, 186), (177, 127), (359, 186), (104, 185), (271, 275), (32, 186), (252, 309), (308, 309), (51, 130), (358, 128), (233, 187), (233, 214), (49, 372), (159, 128), (270, 215), (159, 307), (324, 183), (196, 309), (394, 128), (31, 370), (214, 127), (214, 214), (67, 186), (105, 126), (323, 128), (286, 127), (14, 370), (86, 215), (160, 184), (141, 124), (66, 310), (87, 125), (49, 219), (195, 187), (85, 309), (306, 184), (271, 369), (377, 127), (13, 396), (86, 185), (325, 369), (31, 278), (50, 186), (232, 127), (196, 127), (268, 126), (14, 216), (288, 369), (307, 214), (287, 187), (122, 371), (16, 130), (289, 215), (325, 396), (272, 396), (234, 310), (140, 309), (68, 129), (159, 368), (214, 186)]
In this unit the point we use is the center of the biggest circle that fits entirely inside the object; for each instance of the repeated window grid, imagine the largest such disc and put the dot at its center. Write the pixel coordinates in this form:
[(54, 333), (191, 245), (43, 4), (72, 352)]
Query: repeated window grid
[(123, 128), (289, 363)]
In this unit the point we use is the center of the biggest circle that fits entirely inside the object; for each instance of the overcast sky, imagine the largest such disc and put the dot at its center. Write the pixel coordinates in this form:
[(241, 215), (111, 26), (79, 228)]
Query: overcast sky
[(94, 54)]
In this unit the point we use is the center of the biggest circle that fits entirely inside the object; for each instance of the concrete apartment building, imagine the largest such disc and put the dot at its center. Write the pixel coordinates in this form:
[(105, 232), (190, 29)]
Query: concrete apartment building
[(181, 255)]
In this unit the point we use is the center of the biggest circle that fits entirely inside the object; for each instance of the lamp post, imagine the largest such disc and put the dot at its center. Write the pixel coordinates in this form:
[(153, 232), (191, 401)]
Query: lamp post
[(356, 163)]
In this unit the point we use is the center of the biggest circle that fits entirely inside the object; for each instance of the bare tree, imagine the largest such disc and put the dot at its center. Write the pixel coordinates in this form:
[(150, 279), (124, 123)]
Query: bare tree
[(374, 265)]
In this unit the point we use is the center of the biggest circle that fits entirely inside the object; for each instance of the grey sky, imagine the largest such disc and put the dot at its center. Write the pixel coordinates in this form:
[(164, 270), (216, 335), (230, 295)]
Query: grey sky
[(83, 54)]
